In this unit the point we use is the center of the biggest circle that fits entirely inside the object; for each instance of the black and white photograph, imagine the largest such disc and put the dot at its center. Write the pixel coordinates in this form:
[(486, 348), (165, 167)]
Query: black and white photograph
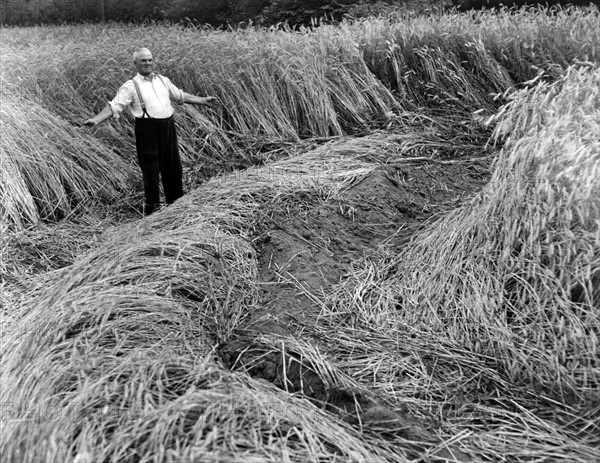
[(299, 231)]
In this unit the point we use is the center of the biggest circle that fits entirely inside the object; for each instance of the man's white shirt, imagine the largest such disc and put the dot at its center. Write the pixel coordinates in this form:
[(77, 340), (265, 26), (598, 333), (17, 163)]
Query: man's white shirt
[(157, 92)]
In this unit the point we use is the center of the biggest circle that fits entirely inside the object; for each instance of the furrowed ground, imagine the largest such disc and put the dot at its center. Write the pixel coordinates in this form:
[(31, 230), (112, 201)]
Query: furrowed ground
[(389, 250)]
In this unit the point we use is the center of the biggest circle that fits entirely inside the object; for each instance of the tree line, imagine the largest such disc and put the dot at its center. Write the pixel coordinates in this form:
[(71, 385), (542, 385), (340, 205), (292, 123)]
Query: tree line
[(233, 13)]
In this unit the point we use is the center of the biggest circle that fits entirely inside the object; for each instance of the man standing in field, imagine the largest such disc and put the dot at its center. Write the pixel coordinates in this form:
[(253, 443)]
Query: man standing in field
[(148, 96)]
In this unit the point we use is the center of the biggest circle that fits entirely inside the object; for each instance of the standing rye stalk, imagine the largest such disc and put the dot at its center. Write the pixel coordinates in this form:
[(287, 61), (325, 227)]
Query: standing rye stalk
[(49, 168)]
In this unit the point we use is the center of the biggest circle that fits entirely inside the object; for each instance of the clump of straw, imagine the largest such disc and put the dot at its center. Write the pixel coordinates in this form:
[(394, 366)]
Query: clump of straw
[(50, 168)]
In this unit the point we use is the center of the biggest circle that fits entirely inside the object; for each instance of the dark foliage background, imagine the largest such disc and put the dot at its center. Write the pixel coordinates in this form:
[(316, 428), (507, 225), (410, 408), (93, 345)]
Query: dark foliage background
[(234, 13)]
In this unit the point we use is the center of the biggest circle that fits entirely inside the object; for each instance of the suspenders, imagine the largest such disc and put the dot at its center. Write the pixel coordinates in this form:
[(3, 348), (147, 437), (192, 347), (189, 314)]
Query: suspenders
[(139, 94)]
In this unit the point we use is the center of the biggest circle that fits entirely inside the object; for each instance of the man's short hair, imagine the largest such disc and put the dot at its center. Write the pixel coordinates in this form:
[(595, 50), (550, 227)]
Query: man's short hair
[(138, 51)]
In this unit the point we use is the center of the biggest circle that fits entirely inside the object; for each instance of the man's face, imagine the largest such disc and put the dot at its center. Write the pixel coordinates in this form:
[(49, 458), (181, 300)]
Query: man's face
[(143, 63)]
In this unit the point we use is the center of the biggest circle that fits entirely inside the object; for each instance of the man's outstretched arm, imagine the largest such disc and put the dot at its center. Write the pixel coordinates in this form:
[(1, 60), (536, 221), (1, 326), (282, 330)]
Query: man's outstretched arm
[(202, 100), (100, 117)]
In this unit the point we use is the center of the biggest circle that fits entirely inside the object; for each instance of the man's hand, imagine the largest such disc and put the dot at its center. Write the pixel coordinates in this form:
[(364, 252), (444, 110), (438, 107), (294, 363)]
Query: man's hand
[(98, 118), (200, 100), (90, 123), (210, 101)]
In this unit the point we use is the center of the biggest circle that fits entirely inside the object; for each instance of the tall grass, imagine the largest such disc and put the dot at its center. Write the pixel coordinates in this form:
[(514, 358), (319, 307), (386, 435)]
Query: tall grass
[(458, 62), (49, 168)]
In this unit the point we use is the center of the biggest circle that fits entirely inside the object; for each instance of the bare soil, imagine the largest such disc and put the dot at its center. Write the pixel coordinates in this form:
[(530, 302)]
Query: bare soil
[(313, 249)]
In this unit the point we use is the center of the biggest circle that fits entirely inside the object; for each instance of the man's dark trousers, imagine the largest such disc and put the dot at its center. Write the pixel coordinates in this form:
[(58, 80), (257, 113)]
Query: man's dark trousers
[(158, 153)]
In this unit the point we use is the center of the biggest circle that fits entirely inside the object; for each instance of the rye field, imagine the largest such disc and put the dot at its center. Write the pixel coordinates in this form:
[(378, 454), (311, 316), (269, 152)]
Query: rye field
[(389, 249)]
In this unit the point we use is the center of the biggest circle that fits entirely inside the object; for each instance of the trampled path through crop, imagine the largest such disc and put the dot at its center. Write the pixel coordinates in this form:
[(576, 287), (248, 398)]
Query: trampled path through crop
[(304, 251)]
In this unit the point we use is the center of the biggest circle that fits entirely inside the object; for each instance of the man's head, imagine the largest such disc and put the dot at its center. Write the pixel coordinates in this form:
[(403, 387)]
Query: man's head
[(142, 58)]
